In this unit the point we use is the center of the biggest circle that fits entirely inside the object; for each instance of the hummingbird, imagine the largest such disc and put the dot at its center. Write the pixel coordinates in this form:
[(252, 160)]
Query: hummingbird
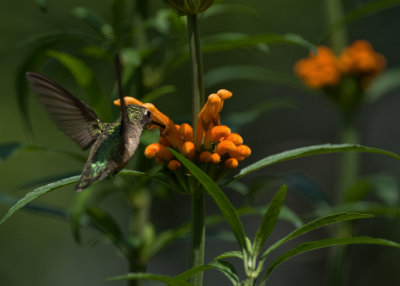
[(113, 143)]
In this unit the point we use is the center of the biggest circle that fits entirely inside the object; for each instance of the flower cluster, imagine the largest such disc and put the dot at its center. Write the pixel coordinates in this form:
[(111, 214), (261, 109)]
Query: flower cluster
[(359, 60), (210, 144)]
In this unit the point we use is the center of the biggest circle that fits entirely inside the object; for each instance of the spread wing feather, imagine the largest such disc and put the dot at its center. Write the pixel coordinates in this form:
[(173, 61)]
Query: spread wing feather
[(72, 116)]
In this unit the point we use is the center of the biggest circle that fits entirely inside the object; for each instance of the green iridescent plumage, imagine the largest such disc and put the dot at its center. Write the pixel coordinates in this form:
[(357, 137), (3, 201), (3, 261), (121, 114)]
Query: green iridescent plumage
[(113, 143)]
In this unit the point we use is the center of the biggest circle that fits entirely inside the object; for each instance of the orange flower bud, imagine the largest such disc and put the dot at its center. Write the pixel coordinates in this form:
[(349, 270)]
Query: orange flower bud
[(188, 150), (174, 165), (243, 150), (205, 157), (152, 150), (235, 138), (225, 146), (231, 163), (215, 158), (224, 94), (158, 150), (186, 131), (218, 132), (164, 153)]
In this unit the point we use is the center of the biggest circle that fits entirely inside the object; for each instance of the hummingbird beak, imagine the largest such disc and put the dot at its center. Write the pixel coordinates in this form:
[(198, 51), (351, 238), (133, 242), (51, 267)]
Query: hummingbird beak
[(158, 124)]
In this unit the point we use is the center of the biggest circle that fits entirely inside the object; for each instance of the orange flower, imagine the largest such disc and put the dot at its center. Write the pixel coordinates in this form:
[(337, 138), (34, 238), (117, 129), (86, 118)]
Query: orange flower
[(360, 58), (212, 143), (325, 69), (319, 70)]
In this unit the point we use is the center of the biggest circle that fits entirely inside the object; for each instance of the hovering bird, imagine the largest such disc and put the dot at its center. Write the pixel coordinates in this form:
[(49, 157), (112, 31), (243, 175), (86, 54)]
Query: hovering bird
[(113, 143)]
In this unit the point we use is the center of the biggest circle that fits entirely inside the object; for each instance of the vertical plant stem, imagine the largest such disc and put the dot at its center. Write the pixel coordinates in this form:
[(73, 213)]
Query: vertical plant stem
[(339, 258), (197, 232), (197, 213), (197, 67), (334, 13)]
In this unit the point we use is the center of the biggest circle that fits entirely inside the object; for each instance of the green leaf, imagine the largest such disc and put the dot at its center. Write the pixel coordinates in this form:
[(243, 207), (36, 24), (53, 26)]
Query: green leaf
[(224, 267), (321, 222), (94, 20), (377, 209), (36, 193), (86, 79), (229, 41), (269, 220), (228, 73), (362, 11), (382, 84), (149, 276), (226, 208), (36, 208), (313, 245), (106, 224), (309, 151), (230, 254)]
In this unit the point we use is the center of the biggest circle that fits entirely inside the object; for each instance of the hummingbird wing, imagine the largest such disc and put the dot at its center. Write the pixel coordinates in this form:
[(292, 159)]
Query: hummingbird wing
[(74, 117)]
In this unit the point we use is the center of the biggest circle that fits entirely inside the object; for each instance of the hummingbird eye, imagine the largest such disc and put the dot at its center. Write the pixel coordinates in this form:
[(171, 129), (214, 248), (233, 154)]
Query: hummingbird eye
[(148, 114)]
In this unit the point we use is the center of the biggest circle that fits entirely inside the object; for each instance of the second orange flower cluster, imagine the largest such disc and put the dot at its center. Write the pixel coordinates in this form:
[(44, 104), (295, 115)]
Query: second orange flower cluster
[(326, 70), (212, 142)]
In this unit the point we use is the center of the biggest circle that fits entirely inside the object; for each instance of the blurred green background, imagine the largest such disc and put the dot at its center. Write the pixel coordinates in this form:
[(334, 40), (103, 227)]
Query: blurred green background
[(40, 250)]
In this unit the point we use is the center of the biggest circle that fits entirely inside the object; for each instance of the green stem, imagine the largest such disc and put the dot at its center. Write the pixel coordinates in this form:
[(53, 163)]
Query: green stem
[(349, 164), (334, 13), (197, 67), (197, 234), (339, 258), (197, 215)]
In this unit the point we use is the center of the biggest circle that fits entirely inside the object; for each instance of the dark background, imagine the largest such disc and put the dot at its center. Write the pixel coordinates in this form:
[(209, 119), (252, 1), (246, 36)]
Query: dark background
[(39, 250)]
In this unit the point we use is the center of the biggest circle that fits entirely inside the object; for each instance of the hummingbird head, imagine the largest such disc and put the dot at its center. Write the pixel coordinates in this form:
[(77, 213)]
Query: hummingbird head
[(141, 114)]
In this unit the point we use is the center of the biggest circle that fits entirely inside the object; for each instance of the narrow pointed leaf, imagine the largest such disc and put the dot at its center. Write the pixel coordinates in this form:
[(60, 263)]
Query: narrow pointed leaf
[(225, 206), (376, 209), (313, 245), (321, 222), (230, 254), (230, 41), (149, 276), (269, 220), (228, 73), (309, 151), (36, 193), (106, 224), (36, 208), (224, 267)]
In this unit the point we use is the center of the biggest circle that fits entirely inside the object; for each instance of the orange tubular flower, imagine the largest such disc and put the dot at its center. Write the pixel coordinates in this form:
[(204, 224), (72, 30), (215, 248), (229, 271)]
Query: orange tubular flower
[(212, 143)]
